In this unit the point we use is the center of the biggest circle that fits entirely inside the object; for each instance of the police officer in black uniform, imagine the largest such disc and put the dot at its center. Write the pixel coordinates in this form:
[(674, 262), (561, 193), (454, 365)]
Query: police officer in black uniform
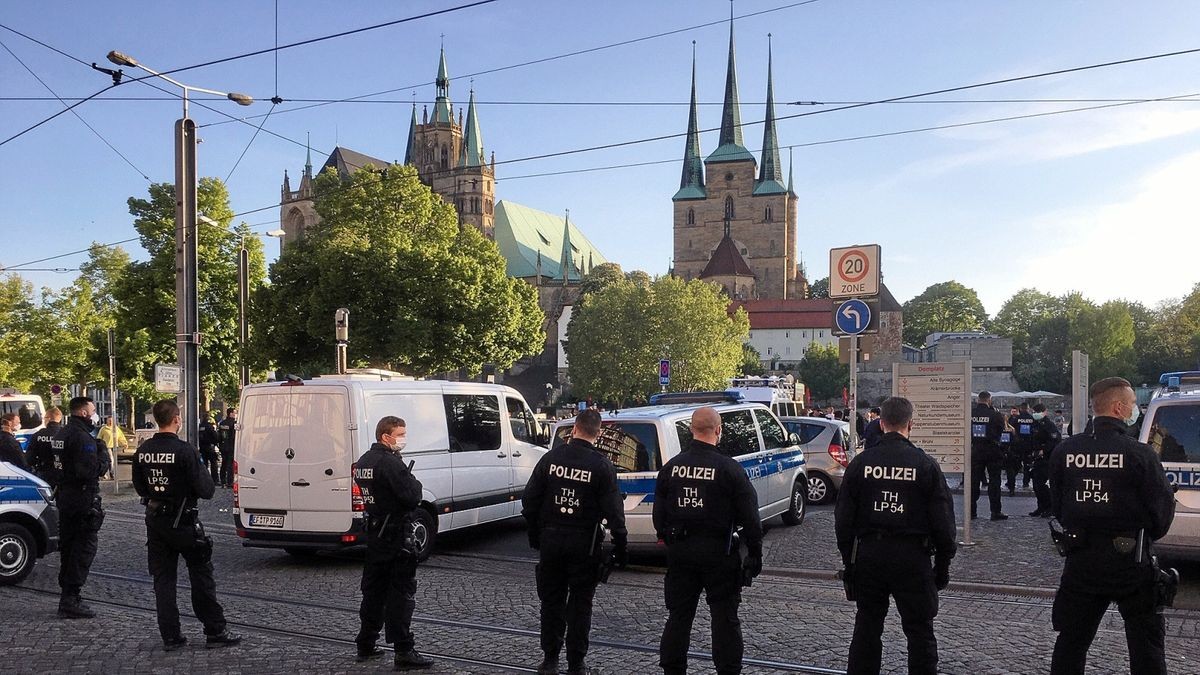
[(1112, 498), (208, 440), (10, 447), (168, 477), (893, 511), (81, 460), (227, 430), (573, 488), (987, 426), (1021, 449), (701, 499), (389, 582), (40, 453), (1046, 436), (872, 433)]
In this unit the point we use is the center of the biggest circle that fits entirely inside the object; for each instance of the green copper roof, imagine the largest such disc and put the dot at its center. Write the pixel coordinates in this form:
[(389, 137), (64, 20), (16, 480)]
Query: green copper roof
[(443, 111), (770, 172), (730, 148), (523, 234), (412, 138), (691, 183), (472, 147), (566, 262)]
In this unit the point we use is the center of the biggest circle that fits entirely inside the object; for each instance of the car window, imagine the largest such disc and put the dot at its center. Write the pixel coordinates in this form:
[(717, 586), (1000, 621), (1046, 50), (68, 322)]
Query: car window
[(473, 421), (1175, 433), (738, 435), (773, 435), (27, 413), (630, 446), (561, 435), (806, 431), (683, 428), (520, 419)]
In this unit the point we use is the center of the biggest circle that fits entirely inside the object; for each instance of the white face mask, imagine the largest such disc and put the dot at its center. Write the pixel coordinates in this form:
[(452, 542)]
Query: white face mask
[(1133, 415), (400, 445), (95, 419), (1038, 416)]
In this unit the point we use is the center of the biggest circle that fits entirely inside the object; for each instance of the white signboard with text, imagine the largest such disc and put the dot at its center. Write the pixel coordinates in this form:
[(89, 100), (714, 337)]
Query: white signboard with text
[(941, 398), (168, 378), (854, 271)]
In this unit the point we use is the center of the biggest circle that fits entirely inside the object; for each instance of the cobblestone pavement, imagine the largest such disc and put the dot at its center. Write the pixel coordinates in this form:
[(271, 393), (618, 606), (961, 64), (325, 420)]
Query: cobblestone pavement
[(476, 601)]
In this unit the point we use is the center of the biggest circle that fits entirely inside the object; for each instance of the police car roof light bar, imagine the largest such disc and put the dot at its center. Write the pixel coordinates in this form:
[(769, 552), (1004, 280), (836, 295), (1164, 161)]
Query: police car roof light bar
[(696, 397), (1183, 377)]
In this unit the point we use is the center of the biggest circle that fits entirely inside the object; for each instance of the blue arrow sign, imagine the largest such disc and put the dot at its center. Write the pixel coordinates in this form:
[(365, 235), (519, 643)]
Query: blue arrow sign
[(853, 317)]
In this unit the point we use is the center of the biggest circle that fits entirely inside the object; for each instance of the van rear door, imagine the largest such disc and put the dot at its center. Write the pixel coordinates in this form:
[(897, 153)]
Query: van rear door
[(263, 440), (321, 451)]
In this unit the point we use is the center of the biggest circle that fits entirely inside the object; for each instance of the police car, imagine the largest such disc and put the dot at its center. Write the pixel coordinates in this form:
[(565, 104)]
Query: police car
[(1172, 428), (29, 409), (28, 523), (639, 441)]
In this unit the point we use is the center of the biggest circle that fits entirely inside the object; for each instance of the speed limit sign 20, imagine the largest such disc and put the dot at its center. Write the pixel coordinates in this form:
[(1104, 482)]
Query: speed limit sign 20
[(854, 271)]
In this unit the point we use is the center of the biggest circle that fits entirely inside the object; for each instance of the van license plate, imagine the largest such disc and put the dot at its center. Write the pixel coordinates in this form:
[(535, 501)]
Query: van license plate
[(265, 520)]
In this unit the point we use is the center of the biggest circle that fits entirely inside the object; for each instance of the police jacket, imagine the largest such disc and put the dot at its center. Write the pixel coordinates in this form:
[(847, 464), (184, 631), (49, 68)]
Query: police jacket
[(40, 454), (167, 471), (388, 487), (706, 493), (895, 489), (986, 427), (208, 436), (1107, 482), (574, 485), (872, 434), (10, 451), (227, 431), (1045, 437), (1023, 424), (83, 460)]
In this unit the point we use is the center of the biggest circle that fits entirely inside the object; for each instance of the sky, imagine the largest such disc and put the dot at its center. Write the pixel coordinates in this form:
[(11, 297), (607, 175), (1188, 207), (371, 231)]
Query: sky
[(1099, 201)]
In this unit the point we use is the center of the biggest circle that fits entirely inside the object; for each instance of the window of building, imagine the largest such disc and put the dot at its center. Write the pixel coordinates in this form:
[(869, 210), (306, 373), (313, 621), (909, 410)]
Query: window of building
[(787, 334), (767, 214), (445, 157), (729, 207), (821, 334), (769, 350), (473, 422), (691, 217), (689, 243), (804, 334), (787, 350)]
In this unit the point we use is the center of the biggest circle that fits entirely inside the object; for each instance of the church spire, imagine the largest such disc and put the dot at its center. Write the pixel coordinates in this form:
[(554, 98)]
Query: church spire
[(308, 156), (730, 148), (472, 147), (443, 112), (567, 259), (410, 151), (791, 165), (770, 172), (691, 183)]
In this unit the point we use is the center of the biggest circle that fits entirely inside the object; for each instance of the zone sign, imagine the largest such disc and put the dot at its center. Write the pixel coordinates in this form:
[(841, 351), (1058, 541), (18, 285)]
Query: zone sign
[(854, 271)]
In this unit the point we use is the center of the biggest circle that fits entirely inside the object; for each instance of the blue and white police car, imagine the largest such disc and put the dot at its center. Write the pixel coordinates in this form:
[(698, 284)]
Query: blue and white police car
[(1172, 428), (639, 441), (28, 523)]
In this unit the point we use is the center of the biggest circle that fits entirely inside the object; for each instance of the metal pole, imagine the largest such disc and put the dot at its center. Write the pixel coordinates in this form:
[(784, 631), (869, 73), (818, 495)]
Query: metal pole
[(112, 403), (853, 391), (341, 334), (243, 303), (968, 485), (187, 329)]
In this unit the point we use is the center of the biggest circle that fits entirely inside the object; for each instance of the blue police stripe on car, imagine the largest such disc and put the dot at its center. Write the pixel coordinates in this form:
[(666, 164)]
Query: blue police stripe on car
[(18, 490), (1186, 479), (755, 468)]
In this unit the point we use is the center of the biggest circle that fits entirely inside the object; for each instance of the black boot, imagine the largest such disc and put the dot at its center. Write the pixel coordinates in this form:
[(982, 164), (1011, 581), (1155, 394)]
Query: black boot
[(372, 652), (412, 660), (577, 668), (72, 607), (222, 639), (549, 665), (174, 644)]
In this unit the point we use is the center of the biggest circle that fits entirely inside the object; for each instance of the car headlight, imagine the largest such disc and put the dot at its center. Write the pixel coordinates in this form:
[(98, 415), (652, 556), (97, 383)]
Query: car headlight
[(46, 493)]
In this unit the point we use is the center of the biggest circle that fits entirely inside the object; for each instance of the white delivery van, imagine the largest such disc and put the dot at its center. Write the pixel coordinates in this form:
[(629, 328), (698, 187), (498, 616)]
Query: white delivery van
[(473, 446)]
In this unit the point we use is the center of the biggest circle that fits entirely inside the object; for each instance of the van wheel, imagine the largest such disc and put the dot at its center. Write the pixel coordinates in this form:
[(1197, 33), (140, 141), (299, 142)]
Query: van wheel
[(18, 553), (820, 489), (424, 532), (798, 504)]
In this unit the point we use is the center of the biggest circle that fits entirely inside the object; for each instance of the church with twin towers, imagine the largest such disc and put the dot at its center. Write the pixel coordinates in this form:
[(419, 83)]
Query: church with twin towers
[(734, 217)]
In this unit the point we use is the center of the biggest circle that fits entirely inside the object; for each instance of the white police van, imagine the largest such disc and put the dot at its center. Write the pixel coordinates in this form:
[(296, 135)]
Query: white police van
[(783, 395), (30, 410), (473, 446), (1172, 428), (639, 441), (28, 523)]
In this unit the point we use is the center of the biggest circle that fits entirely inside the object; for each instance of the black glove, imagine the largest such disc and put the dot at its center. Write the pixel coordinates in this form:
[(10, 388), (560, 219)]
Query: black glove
[(751, 567), (620, 555), (941, 573), (535, 538)]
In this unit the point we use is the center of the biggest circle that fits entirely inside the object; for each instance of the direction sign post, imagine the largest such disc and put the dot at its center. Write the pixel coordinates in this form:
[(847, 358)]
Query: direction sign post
[(852, 317), (854, 271)]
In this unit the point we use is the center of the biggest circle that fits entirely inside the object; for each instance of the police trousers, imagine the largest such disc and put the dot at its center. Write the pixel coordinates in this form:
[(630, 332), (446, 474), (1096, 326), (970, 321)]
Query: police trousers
[(1092, 578), (226, 467), (389, 588), (165, 543), (209, 453), (898, 567), (567, 574), (77, 543), (992, 468), (1040, 472), (696, 564)]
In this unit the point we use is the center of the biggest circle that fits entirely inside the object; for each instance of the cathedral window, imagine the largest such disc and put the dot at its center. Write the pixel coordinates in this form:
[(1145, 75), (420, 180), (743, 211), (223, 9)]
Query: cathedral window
[(729, 207), (767, 214), (445, 157), (691, 217)]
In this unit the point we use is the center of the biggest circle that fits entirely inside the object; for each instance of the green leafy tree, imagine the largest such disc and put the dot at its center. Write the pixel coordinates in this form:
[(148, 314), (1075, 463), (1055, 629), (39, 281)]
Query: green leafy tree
[(819, 288), (600, 277), (821, 372), (751, 361), (20, 316), (145, 292), (945, 307), (617, 336), (425, 295)]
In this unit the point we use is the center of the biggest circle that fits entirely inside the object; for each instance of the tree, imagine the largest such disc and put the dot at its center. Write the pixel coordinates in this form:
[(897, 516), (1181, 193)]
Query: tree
[(600, 277), (751, 361), (425, 295), (18, 320), (945, 307), (819, 288), (145, 292), (617, 335), (821, 372)]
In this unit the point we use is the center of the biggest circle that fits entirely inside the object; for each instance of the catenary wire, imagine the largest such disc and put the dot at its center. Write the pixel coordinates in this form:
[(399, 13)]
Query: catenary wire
[(247, 148), (621, 103), (60, 112), (73, 112)]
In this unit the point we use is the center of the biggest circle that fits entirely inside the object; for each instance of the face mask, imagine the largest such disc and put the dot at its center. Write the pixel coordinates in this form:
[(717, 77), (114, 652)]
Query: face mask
[(1038, 416), (400, 445), (1133, 415)]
